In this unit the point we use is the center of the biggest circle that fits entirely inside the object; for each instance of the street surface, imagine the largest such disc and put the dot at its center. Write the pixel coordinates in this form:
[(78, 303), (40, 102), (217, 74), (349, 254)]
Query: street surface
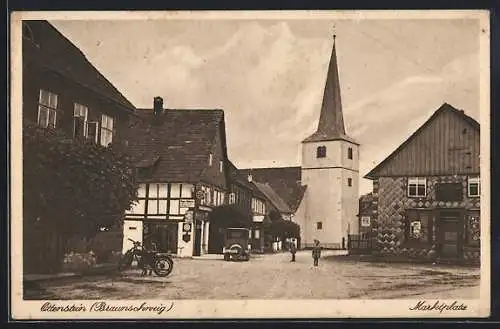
[(271, 277)]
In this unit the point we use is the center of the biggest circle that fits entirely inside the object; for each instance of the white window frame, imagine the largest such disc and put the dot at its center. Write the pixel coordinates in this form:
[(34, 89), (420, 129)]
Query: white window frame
[(470, 181), (256, 234), (210, 159), (106, 128), (48, 104), (417, 181), (365, 221), (81, 111), (221, 166)]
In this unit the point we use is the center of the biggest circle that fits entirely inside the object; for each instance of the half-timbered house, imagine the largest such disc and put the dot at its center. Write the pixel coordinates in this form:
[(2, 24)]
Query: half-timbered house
[(181, 162)]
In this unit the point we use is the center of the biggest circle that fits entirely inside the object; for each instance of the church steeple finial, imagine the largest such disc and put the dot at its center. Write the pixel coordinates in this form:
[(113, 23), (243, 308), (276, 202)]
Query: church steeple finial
[(331, 120)]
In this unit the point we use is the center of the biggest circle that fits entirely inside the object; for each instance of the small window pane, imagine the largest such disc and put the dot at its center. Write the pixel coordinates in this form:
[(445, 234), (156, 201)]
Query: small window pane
[(174, 207), (138, 207), (53, 100), (142, 191), (175, 191), (421, 190), (162, 190), (152, 207), (412, 190), (153, 191), (474, 190), (43, 116), (187, 191), (44, 98), (162, 206)]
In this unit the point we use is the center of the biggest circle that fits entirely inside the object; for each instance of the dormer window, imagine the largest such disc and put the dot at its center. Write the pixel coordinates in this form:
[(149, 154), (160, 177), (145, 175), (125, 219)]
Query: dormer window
[(321, 152), (210, 159), (349, 153)]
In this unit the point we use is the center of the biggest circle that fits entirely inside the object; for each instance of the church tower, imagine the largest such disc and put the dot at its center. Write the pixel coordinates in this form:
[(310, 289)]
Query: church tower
[(330, 169)]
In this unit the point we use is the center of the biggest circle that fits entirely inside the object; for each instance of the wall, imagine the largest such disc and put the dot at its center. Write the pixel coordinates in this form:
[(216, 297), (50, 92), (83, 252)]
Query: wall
[(323, 204), (129, 232), (389, 224), (212, 174)]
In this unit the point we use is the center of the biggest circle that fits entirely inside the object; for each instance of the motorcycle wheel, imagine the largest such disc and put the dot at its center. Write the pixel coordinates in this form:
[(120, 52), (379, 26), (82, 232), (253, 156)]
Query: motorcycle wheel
[(125, 262), (163, 266)]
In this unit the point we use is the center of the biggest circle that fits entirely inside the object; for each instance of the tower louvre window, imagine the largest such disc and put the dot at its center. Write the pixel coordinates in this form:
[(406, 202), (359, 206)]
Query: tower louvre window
[(349, 182), (349, 153), (321, 152)]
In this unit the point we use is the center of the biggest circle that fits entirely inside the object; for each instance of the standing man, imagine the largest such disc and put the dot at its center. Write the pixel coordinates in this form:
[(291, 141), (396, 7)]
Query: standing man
[(293, 250), (316, 252)]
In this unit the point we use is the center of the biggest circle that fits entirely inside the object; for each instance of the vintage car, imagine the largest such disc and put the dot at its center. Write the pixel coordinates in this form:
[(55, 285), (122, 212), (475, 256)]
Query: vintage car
[(236, 244)]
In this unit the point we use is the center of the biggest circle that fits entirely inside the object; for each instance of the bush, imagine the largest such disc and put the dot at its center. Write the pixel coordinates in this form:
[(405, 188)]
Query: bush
[(70, 188)]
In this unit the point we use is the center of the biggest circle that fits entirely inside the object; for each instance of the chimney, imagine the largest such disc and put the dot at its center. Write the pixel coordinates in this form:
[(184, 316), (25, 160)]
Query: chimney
[(250, 179), (158, 106)]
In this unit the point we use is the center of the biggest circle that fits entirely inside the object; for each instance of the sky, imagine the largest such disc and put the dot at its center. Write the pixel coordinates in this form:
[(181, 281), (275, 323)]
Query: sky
[(268, 76)]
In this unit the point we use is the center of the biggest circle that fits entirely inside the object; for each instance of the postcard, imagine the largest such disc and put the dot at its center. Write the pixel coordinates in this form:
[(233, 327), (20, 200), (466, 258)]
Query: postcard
[(250, 164)]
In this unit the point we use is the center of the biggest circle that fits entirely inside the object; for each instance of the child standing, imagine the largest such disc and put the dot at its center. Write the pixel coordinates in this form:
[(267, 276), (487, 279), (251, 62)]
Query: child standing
[(316, 252), (293, 250)]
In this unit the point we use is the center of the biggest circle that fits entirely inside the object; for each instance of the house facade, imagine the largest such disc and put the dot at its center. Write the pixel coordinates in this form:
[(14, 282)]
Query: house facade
[(427, 192), (62, 89), (181, 162), (249, 199)]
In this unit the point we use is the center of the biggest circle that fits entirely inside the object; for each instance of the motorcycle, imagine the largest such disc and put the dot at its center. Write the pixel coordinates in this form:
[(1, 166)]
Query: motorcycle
[(161, 263)]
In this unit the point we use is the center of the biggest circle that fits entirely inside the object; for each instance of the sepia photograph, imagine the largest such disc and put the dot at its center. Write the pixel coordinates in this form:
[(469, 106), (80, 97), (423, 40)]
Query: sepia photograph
[(250, 164)]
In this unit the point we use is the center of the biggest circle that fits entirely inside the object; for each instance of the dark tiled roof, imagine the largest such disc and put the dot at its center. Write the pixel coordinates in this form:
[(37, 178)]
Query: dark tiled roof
[(273, 197), (286, 181), (445, 107), (237, 177), (182, 139), (49, 49)]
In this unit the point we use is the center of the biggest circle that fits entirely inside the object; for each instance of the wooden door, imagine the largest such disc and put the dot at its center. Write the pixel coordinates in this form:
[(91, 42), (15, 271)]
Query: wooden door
[(450, 234)]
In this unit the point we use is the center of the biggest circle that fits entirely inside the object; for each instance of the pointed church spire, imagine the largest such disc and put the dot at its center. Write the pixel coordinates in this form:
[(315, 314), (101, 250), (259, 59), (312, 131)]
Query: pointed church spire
[(331, 120)]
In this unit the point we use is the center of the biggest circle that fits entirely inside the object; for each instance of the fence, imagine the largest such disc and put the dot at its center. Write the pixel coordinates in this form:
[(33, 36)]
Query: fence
[(359, 244)]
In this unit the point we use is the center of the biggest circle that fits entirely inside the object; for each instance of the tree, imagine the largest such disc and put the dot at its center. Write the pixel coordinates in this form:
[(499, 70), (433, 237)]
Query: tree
[(71, 188), (230, 216), (284, 229)]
